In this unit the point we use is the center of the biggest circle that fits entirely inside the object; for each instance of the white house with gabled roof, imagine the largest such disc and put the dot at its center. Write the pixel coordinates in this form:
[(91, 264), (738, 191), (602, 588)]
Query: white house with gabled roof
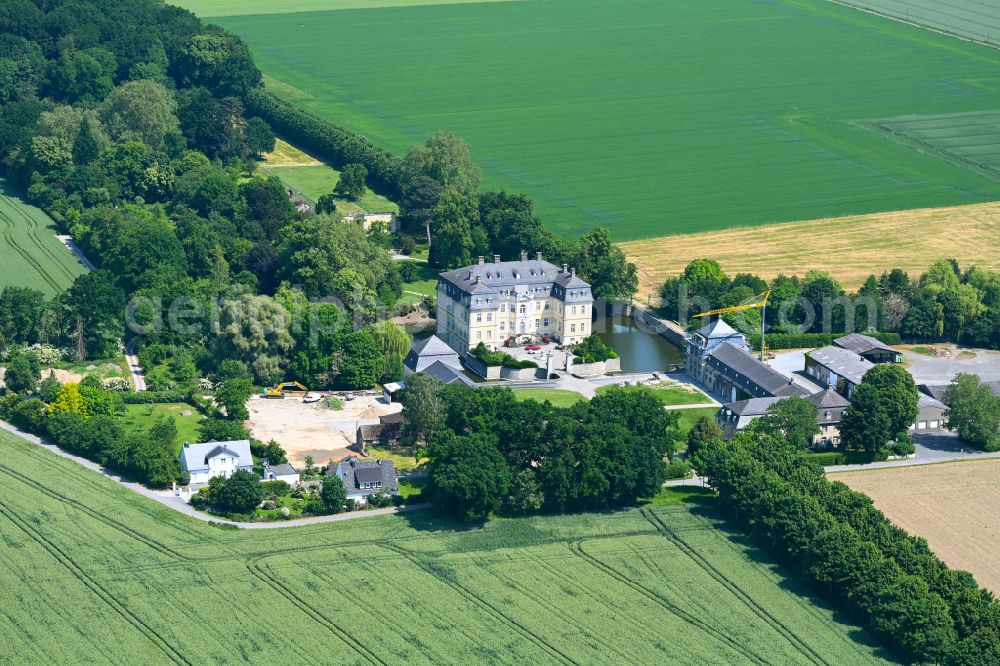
[(210, 459)]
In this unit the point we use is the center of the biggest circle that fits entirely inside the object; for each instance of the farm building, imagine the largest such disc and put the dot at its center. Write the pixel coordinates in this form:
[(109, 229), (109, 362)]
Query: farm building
[(837, 367), (386, 432), (931, 413), (830, 407), (211, 459), (283, 472), (937, 391), (720, 358), (366, 477), (869, 348)]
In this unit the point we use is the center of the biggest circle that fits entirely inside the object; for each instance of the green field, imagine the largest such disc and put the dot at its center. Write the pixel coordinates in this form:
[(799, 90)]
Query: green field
[(30, 253), (671, 394), (558, 397), (218, 8), (91, 572), (972, 19), (652, 117)]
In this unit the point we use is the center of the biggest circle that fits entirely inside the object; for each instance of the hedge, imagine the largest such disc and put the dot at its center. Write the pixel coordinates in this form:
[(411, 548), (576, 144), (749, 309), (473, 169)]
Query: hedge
[(826, 458), (814, 340), (326, 140)]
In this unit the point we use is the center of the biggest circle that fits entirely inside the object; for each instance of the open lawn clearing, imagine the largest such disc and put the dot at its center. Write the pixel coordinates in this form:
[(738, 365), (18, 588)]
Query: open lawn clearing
[(972, 19), (314, 429), (402, 457), (672, 393), (217, 8), (688, 417), (651, 117), (558, 397), (315, 181), (30, 253), (850, 248), (123, 579), (141, 417), (955, 506)]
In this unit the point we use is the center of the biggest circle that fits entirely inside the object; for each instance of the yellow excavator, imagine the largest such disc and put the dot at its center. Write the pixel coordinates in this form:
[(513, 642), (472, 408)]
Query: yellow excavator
[(760, 301), (279, 390)]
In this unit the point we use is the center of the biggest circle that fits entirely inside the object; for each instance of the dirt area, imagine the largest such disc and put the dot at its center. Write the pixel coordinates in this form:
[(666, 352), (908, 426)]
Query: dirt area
[(851, 249), (955, 506), (314, 429)]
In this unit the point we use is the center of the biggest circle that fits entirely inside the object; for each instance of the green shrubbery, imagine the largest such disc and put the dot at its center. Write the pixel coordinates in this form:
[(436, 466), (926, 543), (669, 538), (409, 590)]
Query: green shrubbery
[(592, 350), (498, 358), (813, 340)]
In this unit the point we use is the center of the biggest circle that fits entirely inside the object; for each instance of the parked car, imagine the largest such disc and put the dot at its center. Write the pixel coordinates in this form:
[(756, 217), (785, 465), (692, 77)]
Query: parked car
[(533, 348)]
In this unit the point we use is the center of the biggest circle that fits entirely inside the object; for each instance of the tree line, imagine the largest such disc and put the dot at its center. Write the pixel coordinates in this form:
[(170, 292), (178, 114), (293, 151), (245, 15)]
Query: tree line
[(490, 453), (848, 551), (944, 303)]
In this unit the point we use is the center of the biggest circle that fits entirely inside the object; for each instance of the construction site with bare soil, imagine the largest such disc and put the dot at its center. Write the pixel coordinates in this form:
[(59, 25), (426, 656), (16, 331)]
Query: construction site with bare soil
[(324, 430)]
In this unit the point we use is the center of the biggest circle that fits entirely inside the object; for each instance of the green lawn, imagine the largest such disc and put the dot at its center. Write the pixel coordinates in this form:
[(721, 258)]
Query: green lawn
[(671, 394), (30, 253), (140, 417), (652, 117), (95, 573), (412, 486), (315, 181), (688, 417), (558, 397), (402, 457)]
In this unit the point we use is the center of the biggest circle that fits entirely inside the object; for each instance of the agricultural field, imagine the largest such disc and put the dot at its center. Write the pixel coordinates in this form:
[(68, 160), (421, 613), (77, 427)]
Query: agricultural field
[(849, 248), (955, 506), (90, 564), (651, 117), (217, 8), (30, 253), (970, 19)]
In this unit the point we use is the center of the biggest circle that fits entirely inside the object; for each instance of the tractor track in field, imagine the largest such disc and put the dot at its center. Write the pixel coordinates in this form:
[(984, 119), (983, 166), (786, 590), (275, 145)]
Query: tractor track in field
[(552, 608), (766, 616), (8, 235), (486, 607), (101, 518), (32, 226), (577, 549), (107, 597), (254, 567)]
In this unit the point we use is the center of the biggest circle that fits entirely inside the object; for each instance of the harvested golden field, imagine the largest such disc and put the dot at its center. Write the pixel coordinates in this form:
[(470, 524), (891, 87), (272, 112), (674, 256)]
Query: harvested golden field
[(850, 248), (285, 154), (955, 506)]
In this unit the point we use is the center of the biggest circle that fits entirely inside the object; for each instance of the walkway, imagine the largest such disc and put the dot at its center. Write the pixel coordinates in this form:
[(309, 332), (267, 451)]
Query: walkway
[(75, 249), (134, 369), (168, 499)]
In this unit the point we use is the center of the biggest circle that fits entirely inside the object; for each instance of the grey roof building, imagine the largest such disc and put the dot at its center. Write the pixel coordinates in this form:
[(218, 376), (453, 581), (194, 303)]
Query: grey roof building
[(937, 391), (492, 302), (747, 373), (719, 357), (830, 407), (366, 477), (837, 367), (869, 348), (210, 459), (429, 351)]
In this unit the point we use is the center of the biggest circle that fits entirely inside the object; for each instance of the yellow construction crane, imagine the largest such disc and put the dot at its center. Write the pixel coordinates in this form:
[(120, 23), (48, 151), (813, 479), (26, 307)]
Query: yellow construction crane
[(279, 390), (760, 302)]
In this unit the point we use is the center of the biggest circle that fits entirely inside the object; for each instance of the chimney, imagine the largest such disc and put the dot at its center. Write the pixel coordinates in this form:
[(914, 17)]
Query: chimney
[(524, 255), (538, 255), (477, 279), (565, 266), (572, 272), (496, 258), (482, 260), (470, 274)]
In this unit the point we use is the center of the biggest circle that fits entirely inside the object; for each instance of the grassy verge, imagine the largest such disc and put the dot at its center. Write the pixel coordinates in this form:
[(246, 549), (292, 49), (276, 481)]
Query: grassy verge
[(558, 397)]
